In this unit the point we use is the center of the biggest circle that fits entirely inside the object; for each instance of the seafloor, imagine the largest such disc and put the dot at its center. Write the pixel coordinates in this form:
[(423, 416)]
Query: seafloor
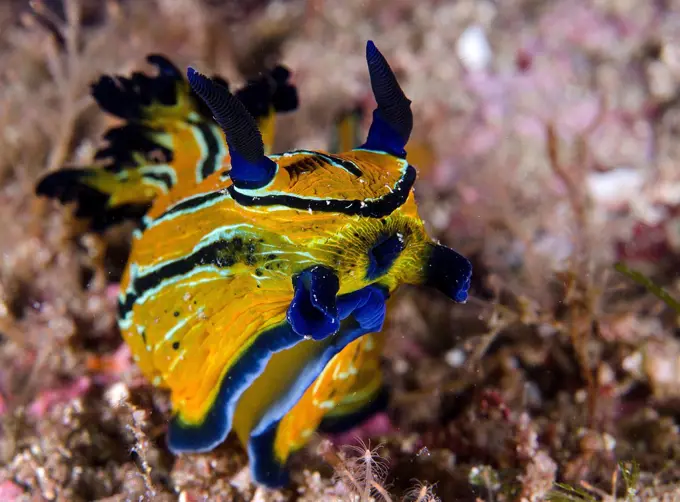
[(548, 138)]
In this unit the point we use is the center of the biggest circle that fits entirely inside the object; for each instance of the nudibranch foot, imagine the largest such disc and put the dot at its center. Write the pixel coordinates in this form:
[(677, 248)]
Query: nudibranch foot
[(313, 311)]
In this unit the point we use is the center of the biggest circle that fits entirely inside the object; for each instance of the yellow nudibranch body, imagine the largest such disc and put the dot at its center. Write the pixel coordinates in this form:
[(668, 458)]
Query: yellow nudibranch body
[(257, 283)]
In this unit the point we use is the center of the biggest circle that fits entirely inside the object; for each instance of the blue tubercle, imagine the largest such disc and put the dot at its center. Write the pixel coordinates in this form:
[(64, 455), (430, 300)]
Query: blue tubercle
[(361, 312), (313, 311)]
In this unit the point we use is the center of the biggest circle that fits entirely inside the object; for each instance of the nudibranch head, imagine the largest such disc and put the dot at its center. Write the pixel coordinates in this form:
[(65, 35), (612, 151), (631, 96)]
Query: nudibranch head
[(258, 297)]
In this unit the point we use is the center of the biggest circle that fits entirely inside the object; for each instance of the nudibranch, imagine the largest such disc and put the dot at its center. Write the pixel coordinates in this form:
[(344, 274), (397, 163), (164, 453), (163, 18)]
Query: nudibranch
[(256, 295)]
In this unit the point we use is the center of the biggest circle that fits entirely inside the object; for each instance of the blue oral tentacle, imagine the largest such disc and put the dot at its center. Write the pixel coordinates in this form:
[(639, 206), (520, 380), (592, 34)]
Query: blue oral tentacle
[(449, 272), (313, 312)]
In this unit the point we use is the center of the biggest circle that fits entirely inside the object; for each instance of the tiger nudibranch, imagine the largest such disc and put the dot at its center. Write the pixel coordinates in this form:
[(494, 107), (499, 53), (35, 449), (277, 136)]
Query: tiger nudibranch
[(256, 295)]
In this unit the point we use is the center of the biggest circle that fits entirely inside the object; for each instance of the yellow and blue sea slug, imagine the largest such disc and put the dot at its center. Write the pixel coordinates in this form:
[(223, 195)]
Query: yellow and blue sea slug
[(257, 295)]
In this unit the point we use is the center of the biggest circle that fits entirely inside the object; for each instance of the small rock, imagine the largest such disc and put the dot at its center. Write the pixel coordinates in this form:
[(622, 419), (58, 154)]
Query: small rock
[(473, 49)]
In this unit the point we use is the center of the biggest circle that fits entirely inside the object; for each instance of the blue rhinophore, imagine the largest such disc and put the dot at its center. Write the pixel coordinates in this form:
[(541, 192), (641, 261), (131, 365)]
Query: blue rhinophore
[(251, 175), (250, 167), (383, 138), (392, 119)]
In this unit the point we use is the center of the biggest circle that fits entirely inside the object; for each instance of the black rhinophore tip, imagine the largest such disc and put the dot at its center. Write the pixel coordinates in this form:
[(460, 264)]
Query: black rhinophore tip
[(250, 168), (393, 118)]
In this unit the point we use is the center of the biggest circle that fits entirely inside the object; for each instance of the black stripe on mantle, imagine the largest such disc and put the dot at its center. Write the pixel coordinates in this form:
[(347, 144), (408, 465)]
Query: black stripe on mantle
[(374, 208)]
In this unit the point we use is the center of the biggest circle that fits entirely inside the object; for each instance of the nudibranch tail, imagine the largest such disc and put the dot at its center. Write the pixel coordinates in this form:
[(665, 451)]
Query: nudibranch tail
[(365, 393), (250, 168), (393, 118), (361, 407)]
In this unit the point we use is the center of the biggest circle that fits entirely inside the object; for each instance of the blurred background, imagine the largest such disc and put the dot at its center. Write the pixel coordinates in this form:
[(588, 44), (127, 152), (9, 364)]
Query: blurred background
[(547, 142)]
